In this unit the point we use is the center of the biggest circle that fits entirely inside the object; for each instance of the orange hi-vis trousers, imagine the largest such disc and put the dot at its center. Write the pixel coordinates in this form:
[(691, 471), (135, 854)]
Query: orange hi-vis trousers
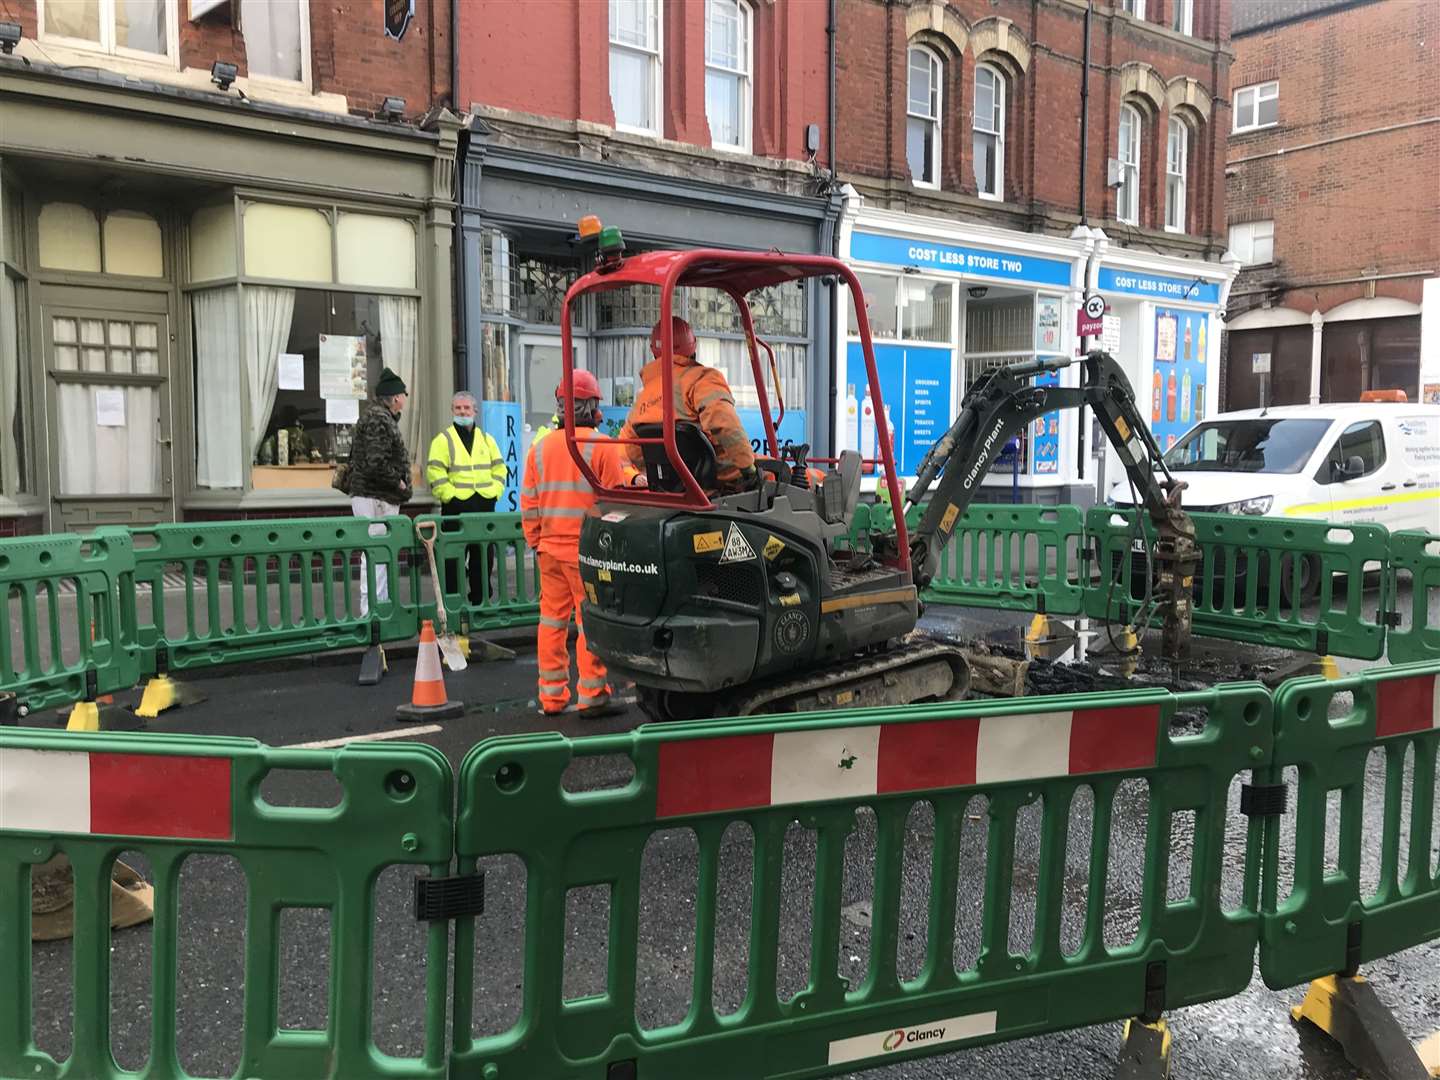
[(560, 595)]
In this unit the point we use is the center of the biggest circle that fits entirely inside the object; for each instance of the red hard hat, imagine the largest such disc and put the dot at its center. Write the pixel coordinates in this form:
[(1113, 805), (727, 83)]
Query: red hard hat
[(683, 336), (586, 385)]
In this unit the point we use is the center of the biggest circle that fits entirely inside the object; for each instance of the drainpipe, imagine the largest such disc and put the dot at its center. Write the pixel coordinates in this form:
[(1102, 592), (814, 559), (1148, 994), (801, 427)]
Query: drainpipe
[(457, 235), (832, 220), (1085, 113)]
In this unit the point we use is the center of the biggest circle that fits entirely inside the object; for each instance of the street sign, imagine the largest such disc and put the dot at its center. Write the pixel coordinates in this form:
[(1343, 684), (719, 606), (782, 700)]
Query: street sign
[(1260, 363), (1090, 319)]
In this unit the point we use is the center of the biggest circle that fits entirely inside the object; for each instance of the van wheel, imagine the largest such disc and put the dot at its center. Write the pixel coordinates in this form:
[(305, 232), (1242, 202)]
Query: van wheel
[(1309, 580)]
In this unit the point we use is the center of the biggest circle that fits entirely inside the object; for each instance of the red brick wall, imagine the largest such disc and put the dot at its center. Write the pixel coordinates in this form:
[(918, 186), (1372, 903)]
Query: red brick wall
[(31, 525), (1362, 206), (552, 59), (1043, 104), (349, 51)]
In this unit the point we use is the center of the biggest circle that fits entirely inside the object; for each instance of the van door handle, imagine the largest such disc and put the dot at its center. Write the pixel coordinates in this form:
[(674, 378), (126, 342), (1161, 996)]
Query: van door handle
[(1410, 483), (1387, 487)]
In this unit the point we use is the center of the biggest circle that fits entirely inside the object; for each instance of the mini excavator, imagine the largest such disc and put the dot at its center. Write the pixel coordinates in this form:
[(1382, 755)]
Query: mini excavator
[(727, 603)]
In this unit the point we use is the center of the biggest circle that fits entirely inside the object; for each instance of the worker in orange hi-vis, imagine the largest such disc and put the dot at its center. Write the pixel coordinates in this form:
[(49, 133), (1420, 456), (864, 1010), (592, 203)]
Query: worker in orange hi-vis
[(702, 396), (554, 499)]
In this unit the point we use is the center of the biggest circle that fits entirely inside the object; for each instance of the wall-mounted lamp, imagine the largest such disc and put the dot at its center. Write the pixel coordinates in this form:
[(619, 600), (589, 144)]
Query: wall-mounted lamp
[(977, 292), (393, 108), (223, 74), (9, 37)]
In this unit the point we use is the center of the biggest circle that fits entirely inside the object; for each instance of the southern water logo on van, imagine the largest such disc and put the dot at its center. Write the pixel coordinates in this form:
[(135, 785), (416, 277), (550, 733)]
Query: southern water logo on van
[(920, 1037)]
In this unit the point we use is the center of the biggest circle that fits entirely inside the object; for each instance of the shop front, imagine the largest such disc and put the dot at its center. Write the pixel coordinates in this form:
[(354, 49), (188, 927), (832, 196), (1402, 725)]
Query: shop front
[(190, 336), (519, 216), (947, 302)]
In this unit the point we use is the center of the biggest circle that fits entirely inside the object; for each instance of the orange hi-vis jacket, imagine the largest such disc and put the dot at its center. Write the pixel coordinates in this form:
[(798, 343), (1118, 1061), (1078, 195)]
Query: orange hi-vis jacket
[(555, 496), (701, 396)]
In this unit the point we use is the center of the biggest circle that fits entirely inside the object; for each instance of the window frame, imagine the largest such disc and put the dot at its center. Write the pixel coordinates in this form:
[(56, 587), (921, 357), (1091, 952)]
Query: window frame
[(1129, 167), (1255, 90), (937, 94), (106, 46), (1249, 259), (306, 74), (1182, 19), (1001, 92), (656, 60), (1134, 8), (1178, 177), (1334, 458), (746, 78)]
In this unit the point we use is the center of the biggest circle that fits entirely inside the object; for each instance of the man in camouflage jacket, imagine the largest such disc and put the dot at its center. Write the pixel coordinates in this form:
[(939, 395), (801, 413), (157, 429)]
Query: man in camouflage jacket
[(379, 471)]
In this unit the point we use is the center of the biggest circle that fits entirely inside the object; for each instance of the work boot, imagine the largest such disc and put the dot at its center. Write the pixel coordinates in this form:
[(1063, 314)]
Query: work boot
[(600, 705), (52, 899)]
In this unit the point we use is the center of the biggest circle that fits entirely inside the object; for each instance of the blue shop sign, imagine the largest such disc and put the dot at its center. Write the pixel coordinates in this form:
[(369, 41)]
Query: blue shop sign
[(902, 251), (1158, 286)]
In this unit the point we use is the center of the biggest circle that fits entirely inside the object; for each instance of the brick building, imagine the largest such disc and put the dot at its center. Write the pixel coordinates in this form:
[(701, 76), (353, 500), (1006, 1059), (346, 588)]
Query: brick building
[(177, 239), (1333, 201), (960, 136)]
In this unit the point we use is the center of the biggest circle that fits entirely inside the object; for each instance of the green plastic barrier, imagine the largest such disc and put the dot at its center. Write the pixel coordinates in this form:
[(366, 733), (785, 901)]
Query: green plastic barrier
[(1329, 922), (1249, 585), (1020, 558), (1031, 757), (169, 797), (66, 630), (1416, 637), (512, 575), (260, 590)]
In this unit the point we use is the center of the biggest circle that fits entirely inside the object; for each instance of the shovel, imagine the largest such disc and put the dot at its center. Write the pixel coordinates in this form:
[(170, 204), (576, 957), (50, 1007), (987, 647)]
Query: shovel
[(450, 647)]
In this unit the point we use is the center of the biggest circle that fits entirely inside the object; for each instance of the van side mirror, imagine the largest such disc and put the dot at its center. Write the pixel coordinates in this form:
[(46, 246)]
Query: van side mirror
[(1351, 467)]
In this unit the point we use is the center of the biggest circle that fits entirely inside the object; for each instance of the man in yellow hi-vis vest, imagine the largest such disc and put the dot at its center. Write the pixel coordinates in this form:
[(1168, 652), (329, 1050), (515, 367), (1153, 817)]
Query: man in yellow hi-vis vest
[(466, 472)]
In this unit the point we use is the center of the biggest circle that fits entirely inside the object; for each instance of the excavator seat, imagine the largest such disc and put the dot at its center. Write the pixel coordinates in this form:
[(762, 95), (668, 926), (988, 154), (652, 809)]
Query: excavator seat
[(696, 452)]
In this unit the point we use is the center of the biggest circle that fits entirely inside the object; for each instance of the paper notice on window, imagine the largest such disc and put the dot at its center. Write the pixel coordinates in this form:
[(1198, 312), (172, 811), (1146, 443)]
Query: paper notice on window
[(292, 371), (342, 366), (342, 410), (110, 408)]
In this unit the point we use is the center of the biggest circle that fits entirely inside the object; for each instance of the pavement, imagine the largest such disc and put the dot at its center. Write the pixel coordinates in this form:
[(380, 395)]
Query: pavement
[(297, 704)]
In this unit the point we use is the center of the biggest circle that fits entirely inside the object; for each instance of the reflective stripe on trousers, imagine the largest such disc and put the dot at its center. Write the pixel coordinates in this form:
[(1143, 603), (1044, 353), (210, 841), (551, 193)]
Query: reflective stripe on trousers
[(560, 596)]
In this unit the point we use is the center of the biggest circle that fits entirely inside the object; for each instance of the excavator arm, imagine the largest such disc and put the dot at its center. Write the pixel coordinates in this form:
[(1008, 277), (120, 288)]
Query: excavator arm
[(997, 408)]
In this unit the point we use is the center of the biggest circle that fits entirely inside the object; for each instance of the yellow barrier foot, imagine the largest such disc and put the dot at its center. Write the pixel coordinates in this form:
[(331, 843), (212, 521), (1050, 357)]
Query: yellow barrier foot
[(1328, 667), (1350, 1012), (1039, 630), (1145, 1051), (373, 665), (85, 716), (162, 693), (1429, 1051)]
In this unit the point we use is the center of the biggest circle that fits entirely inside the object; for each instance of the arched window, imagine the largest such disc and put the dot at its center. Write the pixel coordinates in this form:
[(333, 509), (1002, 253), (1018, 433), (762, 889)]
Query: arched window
[(922, 120), (1177, 164), (1127, 196), (728, 73), (989, 132)]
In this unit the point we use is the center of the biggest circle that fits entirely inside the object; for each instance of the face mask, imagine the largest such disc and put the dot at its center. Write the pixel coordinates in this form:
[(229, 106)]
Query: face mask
[(464, 421)]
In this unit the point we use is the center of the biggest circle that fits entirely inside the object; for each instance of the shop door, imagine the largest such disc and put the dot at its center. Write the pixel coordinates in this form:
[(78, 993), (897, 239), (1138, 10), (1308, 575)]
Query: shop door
[(542, 366), (107, 394)]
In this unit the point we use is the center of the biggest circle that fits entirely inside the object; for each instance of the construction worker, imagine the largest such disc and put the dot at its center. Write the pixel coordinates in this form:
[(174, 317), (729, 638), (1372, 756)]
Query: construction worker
[(466, 472), (702, 396), (554, 499)]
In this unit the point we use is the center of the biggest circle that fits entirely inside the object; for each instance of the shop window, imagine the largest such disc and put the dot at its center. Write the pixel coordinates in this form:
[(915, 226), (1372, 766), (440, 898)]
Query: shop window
[(498, 361), (635, 65), (999, 331), (69, 237), (1134, 8), (1365, 441), (12, 227), (881, 292), (922, 121), (139, 28), (1177, 164), (1127, 196), (291, 243), (1253, 242), (212, 243), (528, 286), (1257, 106), (132, 244), (989, 132), (14, 387), (277, 38), (1370, 354), (73, 237), (1288, 381), (1183, 17), (925, 308), (375, 250), (728, 63)]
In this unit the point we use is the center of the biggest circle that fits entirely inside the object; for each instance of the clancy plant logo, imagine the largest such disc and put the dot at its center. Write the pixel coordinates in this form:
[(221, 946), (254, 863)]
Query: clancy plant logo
[(894, 1040)]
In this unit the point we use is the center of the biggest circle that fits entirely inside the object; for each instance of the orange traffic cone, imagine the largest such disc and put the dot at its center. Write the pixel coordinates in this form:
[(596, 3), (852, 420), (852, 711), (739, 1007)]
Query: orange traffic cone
[(428, 700)]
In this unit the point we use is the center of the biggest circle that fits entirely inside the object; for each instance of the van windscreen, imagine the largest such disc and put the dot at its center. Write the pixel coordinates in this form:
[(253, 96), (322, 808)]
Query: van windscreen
[(1255, 445)]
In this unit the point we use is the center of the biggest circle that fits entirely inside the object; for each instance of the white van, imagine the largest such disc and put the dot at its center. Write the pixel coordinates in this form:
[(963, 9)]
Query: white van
[(1345, 463)]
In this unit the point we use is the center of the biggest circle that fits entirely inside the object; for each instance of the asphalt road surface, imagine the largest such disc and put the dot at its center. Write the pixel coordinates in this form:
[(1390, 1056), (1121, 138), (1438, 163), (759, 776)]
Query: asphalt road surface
[(1246, 1036)]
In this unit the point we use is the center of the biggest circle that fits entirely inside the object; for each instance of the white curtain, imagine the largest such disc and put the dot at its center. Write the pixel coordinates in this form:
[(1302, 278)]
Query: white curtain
[(400, 352), (267, 322), (219, 450), (109, 460), (9, 382), (272, 37)]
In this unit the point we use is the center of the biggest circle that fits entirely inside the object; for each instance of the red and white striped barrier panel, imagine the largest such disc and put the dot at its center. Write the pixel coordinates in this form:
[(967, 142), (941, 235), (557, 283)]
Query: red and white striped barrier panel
[(1407, 706), (99, 793), (737, 772)]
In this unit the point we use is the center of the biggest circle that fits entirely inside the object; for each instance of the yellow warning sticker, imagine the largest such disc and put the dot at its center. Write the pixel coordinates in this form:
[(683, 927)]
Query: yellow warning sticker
[(1123, 428), (773, 546), (844, 697), (604, 575), (590, 592), (951, 513), (711, 541), (790, 599)]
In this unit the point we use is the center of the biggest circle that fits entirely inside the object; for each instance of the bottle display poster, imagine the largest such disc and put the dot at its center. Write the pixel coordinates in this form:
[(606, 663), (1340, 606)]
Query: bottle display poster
[(1045, 434), (501, 420), (1177, 388), (915, 383)]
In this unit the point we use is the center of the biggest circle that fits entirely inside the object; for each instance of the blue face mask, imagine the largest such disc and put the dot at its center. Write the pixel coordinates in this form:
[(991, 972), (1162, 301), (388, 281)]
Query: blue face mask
[(464, 421)]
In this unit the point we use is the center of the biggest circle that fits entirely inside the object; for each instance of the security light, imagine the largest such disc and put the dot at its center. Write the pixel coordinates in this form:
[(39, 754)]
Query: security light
[(977, 292), (9, 37), (223, 74), (393, 108)]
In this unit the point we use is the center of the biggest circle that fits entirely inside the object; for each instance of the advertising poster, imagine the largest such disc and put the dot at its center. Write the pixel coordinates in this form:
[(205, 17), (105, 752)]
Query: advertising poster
[(788, 432), (1047, 324), (1177, 389), (501, 420), (342, 366), (915, 384), (1045, 434)]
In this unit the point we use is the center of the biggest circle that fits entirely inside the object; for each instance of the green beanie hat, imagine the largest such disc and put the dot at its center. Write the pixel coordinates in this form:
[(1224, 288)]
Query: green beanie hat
[(390, 384)]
